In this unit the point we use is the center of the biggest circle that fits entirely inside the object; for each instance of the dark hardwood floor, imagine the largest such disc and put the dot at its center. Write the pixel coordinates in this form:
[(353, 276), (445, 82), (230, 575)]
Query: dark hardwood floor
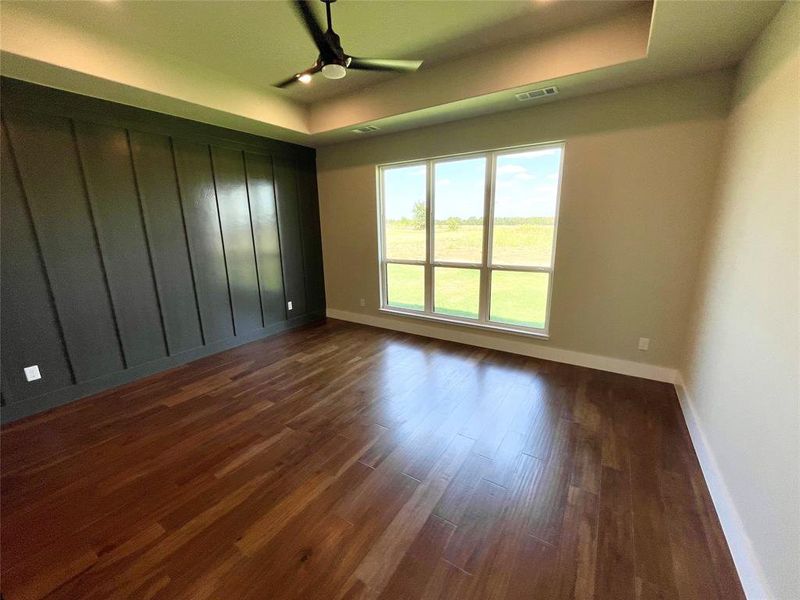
[(341, 461)]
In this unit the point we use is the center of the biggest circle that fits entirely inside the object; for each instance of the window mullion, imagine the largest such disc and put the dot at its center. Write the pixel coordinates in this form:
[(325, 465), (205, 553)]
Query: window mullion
[(404, 261), (384, 284), (382, 268), (522, 268), (483, 301), (429, 237)]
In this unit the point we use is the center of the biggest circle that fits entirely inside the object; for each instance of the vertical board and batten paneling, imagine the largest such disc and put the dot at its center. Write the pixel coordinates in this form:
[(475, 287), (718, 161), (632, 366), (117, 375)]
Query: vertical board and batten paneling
[(28, 315), (237, 238), (161, 207), (106, 161), (312, 236), (51, 175), (196, 183), (261, 192), (133, 242), (289, 224)]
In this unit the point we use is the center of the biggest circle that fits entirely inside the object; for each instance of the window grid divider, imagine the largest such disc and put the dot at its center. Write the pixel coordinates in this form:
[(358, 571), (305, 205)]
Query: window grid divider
[(488, 191), (429, 241)]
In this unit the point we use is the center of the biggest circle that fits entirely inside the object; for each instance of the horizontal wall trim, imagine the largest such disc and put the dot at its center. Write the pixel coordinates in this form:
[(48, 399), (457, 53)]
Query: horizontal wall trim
[(515, 346), (747, 564), (31, 406)]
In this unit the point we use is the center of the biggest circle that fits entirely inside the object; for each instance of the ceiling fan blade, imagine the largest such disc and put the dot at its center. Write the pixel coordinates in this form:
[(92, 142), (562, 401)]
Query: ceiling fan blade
[(296, 77), (314, 28), (383, 64)]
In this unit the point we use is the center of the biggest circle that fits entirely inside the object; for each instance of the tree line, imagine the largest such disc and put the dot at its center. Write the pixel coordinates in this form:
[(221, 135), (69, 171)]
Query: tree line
[(417, 220)]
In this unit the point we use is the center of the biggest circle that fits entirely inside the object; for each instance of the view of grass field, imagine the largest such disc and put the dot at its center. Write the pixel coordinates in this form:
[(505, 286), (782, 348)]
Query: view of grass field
[(523, 204), (516, 298), (522, 242)]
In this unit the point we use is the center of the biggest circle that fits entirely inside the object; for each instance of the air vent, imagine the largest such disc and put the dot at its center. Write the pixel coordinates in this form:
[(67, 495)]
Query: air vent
[(540, 93), (366, 129)]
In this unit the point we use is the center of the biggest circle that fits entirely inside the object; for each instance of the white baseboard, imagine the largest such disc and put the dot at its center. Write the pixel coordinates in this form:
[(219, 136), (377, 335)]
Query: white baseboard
[(512, 344), (747, 564)]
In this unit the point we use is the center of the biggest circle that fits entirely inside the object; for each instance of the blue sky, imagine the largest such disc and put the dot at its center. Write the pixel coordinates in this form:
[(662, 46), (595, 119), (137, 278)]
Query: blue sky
[(526, 186)]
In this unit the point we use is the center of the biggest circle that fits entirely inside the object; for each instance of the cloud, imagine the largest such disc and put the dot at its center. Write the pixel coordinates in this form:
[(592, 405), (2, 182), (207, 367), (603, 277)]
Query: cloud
[(538, 153), (545, 190), (516, 173), (511, 170)]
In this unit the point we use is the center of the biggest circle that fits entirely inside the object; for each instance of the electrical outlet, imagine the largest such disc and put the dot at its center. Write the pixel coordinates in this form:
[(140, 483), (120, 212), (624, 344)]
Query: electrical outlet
[(363, 302), (289, 305), (644, 344), (32, 373)]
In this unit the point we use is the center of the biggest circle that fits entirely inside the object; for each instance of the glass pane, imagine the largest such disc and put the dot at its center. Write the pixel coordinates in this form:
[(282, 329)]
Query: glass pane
[(406, 286), (519, 298), (458, 209), (525, 196), (404, 211), (457, 291)]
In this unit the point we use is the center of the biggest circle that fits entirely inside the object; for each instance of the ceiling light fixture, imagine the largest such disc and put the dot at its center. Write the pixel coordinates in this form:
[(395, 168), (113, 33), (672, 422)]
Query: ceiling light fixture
[(304, 78), (332, 60), (333, 71)]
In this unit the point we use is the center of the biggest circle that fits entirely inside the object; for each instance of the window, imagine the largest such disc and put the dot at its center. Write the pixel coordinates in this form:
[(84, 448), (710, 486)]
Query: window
[(471, 239)]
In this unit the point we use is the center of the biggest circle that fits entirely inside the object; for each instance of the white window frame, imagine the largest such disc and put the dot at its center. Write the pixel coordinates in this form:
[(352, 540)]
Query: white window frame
[(485, 266)]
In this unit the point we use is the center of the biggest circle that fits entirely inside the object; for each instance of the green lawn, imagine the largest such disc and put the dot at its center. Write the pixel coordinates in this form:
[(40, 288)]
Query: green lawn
[(516, 298), (523, 244)]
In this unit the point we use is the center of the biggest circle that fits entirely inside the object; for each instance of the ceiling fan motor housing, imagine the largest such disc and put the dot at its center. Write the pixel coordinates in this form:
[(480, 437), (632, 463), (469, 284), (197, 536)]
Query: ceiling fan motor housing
[(332, 61), (333, 71)]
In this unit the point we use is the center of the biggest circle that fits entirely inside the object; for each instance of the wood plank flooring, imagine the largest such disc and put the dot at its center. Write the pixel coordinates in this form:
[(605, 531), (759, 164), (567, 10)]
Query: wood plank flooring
[(345, 462)]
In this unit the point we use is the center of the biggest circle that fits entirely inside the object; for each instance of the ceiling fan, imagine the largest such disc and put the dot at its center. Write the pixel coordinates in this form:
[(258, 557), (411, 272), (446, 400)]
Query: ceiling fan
[(332, 61)]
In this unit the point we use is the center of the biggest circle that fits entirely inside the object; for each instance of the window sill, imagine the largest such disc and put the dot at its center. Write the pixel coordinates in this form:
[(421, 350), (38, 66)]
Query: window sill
[(532, 333)]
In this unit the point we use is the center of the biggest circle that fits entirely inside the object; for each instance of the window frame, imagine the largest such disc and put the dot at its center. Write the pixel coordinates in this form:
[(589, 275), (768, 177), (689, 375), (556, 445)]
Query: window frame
[(485, 267)]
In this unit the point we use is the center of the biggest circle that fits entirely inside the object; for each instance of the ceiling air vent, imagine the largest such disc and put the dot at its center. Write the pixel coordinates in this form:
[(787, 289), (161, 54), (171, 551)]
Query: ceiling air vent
[(540, 93), (366, 129)]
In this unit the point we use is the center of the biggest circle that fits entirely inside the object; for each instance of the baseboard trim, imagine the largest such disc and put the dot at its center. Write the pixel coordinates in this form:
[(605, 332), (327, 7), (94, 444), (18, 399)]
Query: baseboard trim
[(747, 564), (512, 345)]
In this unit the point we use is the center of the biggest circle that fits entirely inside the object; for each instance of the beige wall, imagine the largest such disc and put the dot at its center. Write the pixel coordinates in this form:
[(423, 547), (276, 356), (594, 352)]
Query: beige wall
[(597, 45), (639, 170), (741, 370)]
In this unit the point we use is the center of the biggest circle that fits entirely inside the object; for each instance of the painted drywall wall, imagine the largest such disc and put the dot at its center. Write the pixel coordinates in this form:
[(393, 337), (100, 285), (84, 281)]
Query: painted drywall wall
[(741, 368), (639, 169), (615, 41), (132, 242)]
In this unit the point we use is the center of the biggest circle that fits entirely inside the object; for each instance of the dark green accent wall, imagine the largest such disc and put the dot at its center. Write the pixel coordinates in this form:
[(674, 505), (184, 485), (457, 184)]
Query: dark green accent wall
[(133, 242)]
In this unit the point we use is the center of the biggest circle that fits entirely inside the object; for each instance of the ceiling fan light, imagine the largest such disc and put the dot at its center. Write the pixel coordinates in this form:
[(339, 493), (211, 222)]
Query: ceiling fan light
[(333, 71), (304, 78)]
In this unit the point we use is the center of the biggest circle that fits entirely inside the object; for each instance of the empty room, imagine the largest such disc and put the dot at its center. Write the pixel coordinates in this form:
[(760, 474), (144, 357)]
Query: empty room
[(400, 299)]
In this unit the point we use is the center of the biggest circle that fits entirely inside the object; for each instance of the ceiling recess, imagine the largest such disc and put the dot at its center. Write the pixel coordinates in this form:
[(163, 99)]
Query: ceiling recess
[(366, 129), (540, 93)]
